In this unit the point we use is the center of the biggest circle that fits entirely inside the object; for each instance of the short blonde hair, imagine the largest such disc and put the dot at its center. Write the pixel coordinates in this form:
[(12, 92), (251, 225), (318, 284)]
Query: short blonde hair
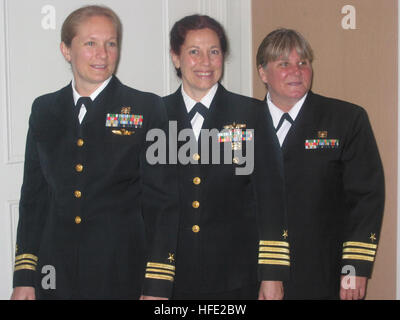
[(71, 23), (279, 43)]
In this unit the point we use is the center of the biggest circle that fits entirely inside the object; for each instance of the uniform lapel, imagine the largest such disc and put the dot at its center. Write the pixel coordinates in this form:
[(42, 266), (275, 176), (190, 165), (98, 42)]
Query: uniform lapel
[(104, 102), (179, 113), (64, 110), (217, 112), (303, 121)]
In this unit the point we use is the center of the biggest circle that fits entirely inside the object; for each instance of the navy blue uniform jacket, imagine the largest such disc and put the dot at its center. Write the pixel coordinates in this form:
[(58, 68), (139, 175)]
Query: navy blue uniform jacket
[(232, 227), (335, 196), (89, 198)]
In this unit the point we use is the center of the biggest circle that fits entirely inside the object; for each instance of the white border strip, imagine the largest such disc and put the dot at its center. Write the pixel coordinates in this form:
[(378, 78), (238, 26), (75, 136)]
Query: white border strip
[(398, 155)]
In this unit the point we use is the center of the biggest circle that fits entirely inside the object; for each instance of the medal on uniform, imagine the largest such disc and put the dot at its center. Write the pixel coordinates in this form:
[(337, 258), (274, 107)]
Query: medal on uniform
[(322, 142), (235, 134), (124, 120)]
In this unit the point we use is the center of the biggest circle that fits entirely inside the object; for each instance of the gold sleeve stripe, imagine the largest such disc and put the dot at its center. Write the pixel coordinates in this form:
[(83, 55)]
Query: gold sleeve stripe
[(274, 262), (360, 244), (25, 267), (272, 249), (274, 243), (25, 261), (159, 277), (160, 271), (274, 256), (26, 256), (363, 251), (357, 257), (160, 265)]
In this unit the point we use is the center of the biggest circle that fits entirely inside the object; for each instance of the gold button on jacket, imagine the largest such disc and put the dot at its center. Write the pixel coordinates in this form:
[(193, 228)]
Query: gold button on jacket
[(196, 228), (197, 180), (79, 168), (80, 142), (195, 204), (77, 194), (78, 220)]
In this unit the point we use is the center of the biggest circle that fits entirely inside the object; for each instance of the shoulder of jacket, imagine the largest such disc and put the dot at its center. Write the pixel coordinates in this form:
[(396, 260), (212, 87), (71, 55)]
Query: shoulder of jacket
[(47, 100), (336, 106)]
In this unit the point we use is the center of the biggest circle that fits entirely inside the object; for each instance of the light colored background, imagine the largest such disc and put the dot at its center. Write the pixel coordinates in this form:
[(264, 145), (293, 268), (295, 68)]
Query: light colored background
[(31, 64), (356, 65)]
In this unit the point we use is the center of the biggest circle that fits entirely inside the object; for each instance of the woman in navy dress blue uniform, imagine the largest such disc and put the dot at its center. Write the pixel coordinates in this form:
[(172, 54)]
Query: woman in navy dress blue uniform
[(333, 175), (89, 198), (232, 234)]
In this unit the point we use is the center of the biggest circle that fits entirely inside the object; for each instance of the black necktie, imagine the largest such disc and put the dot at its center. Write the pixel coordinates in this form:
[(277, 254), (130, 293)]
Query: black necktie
[(86, 101), (200, 108), (285, 116)]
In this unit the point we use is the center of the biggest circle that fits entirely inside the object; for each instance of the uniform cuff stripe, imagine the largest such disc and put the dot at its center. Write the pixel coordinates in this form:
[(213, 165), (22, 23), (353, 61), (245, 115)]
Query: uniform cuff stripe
[(272, 249), (360, 244), (160, 271), (159, 277), (26, 256), (357, 257), (25, 261), (25, 267), (272, 255), (362, 251), (160, 265), (275, 243), (274, 262)]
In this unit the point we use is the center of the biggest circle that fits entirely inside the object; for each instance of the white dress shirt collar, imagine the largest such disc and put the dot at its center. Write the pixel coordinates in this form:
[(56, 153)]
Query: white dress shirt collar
[(198, 120), (94, 95), (206, 101), (277, 113)]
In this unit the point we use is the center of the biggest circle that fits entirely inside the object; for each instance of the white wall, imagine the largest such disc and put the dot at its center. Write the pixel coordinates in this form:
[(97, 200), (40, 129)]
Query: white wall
[(31, 65)]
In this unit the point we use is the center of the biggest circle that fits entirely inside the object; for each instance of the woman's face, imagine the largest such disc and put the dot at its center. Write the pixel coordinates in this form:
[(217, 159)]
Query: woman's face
[(200, 61), (93, 53), (288, 79)]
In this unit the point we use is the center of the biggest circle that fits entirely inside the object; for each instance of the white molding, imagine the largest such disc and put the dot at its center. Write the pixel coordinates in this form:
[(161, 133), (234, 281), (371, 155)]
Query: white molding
[(166, 27), (13, 213), (247, 48), (10, 158), (9, 220)]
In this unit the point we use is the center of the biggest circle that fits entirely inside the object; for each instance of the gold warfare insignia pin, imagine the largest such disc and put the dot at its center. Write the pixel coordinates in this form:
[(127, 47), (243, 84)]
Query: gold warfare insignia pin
[(171, 257), (123, 132), (322, 134), (126, 110), (235, 126)]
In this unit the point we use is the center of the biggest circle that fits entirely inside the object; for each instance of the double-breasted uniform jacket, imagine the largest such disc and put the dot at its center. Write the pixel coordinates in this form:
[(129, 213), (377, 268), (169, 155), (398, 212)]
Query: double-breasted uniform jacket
[(89, 198), (335, 196), (232, 227)]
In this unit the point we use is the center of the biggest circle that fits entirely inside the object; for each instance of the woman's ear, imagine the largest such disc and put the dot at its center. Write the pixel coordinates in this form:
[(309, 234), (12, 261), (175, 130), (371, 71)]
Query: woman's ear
[(175, 59), (66, 51), (263, 74)]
